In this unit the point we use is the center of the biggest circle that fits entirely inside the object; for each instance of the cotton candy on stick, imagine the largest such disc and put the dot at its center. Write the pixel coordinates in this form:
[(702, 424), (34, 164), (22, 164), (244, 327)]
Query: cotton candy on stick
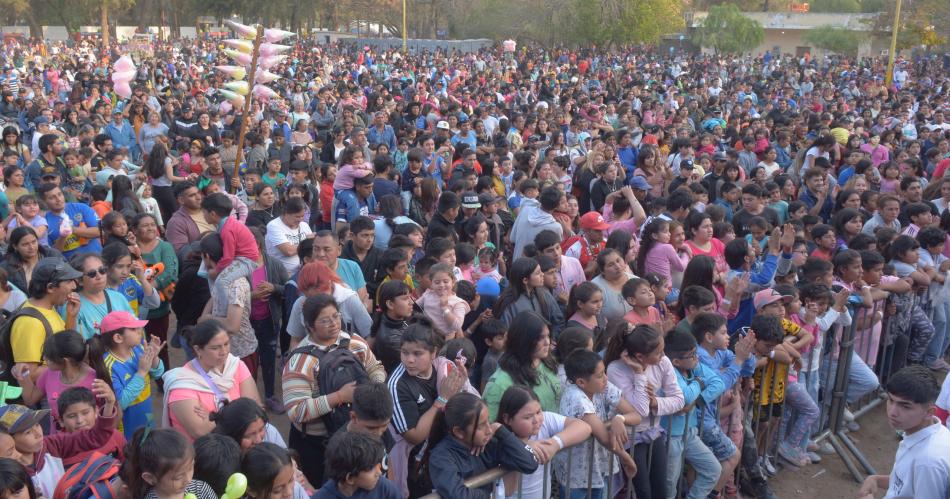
[(123, 76), (264, 93), (245, 46), (243, 30), (236, 100), (264, 76), (270, 61), (273, 35), (273, 49), (123, 64), (235, 72), (239, 57)]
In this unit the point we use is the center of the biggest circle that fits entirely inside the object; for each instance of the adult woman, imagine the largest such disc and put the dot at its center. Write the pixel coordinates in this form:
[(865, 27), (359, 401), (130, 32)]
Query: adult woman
[(267, 298), (302, 398), (316, 278), (332, 150), (124, 199), (526, 291), (195, 390), (265, 206), (13, 180), (699, 227), (11, 142), (71, 124), (527, 361), (23, 253), (614, 273), (395, 309), (150, 132), (10, 296), (95, 299), (656, 173), (301, 135), (390, 209), (154, 250), (848, 198), (160, 168), (627, 244)]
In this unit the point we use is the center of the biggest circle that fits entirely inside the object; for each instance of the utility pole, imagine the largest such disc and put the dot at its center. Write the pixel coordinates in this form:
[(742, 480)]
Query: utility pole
[(889, 76)]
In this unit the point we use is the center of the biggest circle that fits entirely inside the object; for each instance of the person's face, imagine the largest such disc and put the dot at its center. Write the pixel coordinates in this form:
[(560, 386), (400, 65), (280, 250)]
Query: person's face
[(663, 236), (416, 358), (78, 416), (553, 252), (214, 162), (29, 441), (614, 266), (106, 146), (174, 481), (55, 200), (191, 199), (215, 353), (8, 448), (326, 327), (873, 275), (543, 348), (653, 357), (827, 241), (364, 191), (527, 421), (816, 183), (291, 220), (448, 258), (914, 192), (904, 414), (536, 279), (326, 250), (890, 211), (776, 309), (23, 493), (368, 426), (442, 283), (751, 202), (401, 306), (363, 240), (253, 434)]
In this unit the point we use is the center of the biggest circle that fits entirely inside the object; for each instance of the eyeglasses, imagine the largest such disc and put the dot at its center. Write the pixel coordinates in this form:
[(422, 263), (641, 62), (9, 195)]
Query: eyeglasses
[(329, 321), (92, 273)]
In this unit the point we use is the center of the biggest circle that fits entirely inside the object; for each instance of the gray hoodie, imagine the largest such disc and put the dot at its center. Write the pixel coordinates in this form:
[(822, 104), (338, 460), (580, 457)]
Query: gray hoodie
[(531, 220)]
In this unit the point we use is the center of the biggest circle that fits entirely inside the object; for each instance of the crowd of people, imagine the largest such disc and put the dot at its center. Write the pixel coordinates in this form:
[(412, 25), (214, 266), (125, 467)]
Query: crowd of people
[(594, 269)]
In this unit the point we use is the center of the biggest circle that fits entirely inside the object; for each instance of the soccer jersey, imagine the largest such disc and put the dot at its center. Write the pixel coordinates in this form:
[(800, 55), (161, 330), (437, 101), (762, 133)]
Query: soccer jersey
[(132, 391), (132, 290)]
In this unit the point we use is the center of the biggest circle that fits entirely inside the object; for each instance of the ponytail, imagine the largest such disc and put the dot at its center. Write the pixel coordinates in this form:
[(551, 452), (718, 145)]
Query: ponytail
[(641, 339)]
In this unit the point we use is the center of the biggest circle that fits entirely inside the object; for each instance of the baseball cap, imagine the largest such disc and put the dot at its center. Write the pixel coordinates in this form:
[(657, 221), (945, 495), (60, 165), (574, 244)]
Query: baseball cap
[(41, 120), (593, 221), (442, 125), (686, 163), (470, 200), (119, 319), (640, 183), (486, 198), (16, 418), (720, 156), (54, 270), (48, 171), (768, 296)]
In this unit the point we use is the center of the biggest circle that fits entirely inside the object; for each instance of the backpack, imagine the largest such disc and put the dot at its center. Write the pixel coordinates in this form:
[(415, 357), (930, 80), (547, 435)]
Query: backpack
[(337, 367), (89, 479), (6, 348)]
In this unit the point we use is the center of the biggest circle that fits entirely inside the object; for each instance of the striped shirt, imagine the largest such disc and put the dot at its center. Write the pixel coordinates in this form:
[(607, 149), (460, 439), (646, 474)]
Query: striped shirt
[(302, 397)]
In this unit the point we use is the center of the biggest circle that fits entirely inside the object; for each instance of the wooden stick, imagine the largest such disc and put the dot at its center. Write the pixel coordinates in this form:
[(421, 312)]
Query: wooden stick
[(245, 118)]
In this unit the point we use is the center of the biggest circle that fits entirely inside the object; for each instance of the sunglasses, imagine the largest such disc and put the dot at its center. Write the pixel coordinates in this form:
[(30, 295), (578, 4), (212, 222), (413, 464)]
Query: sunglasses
[(92, 273)]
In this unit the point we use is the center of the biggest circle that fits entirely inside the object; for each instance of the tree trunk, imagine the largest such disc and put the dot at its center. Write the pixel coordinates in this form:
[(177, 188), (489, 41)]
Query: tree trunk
[(104, 25), (36, 31), (143, 7)]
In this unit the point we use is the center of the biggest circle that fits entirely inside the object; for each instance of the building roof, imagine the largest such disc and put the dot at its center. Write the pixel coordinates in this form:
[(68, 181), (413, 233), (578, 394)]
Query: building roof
[(809, 20)]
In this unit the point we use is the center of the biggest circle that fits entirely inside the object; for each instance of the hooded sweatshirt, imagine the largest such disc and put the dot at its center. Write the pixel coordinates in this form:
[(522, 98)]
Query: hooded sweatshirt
[(532, 220)]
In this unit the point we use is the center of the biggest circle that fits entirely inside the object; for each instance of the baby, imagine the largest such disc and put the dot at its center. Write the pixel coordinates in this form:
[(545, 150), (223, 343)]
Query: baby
[(487, 264)]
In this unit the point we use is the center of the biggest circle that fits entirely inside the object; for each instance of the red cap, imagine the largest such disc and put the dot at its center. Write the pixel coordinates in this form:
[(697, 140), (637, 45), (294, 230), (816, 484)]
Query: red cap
[(593, 221)]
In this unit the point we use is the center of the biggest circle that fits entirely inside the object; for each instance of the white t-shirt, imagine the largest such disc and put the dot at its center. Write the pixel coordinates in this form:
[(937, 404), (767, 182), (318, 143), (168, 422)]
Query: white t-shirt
[(943, 400), (279, 233), (922, 465), (532, 486)]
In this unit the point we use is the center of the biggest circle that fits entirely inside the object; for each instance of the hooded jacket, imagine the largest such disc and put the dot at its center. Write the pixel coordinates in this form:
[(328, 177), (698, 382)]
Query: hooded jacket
[(532, 220), (452, 462)]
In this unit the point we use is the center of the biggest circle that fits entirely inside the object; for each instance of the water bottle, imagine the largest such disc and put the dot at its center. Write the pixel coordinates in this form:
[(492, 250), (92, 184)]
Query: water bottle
[(66, 227)]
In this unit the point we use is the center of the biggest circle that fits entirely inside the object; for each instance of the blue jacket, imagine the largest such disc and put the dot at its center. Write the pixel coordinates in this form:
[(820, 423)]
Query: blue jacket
[(759, 280), (451, 462), (387, 136), (628, 158), (723, 362), (123, 135), (710, 390), (384, 489)]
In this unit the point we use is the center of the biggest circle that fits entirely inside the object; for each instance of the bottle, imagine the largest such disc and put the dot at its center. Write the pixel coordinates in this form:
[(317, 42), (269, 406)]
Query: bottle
[(66, 227)]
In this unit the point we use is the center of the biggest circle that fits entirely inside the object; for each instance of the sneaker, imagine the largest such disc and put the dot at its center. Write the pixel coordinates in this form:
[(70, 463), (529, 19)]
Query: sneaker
[(939, 365), (767, 466), (826, 448), (813, 457), (853, 426), (812, 446), (792, 454), (848, 416), (275, 405)]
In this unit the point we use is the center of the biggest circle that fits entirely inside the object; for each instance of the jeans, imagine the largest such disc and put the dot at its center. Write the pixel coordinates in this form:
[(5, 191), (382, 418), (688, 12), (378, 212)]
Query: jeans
[(267, 348), (801, 418), (861, 379), (581, 493), (941, 338), (698, 456)]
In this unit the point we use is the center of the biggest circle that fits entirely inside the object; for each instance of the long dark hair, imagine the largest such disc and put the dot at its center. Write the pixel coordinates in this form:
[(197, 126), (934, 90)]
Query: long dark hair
[(70, 345), (233, 418), (514, 398), (155, 164), (700, 271), (462, 411), (14, 477), (389, 290), (521, 269), (153, 451), (648, 242), (261, 464), (641, 340), (16, 235), (122, 191), (524, 333)]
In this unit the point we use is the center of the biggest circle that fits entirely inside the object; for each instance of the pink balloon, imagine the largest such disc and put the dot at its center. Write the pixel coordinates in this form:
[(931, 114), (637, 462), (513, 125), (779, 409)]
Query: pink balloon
[(123, 89)]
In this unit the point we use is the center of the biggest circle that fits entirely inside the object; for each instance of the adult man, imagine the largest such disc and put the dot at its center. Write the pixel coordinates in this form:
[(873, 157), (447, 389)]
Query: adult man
[(215, 170), (53, 284), (570, 272), (815, 195), (534, 217), (51, 156), (360, 249), (465, 134), (355, 202), (381, 133), (888, 209), (753, 206), (326, 249), (188, 223), (922, 464), (586, 246), (103, 144), (73, 227), (443, 221), (322, 117), (122, 134), (285, 233)]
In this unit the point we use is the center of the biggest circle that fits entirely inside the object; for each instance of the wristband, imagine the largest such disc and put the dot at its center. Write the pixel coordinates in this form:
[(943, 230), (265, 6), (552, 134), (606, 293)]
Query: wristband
[(623, 419), (560, 443), (442, 400), (772, 354)]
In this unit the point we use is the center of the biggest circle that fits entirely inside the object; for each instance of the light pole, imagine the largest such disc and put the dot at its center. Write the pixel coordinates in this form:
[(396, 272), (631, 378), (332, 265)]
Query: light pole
[(889, 76), (405, 41)]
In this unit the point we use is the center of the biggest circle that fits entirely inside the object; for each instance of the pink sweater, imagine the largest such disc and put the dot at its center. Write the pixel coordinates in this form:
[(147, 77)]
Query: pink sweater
[(431, 304), (662, 259), (669, 397)]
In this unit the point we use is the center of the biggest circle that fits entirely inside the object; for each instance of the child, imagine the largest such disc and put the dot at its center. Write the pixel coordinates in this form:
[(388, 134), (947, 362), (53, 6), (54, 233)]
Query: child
[(15, 482), (935, 265), (919, 216), (395, 263), (354, 469), (77, 412), (657, 254), (493, 333), (904, 255), (136, 289), (922, 459), (519, 411), (443, 250), (584, 306), (487, 264), (776, 202), (637, 293), (271, 472), (724, 231), (461, 427), (240, 251), (701, 387), (758, 236), (162, 465), (465, 260), (150, 204), (115, 228), (729, 195), (599, 403), (663, 292), (273, 177), (28, 215), (99, 194), (441, 305), (20, 429), (646, 377), (132, 363), (740, 257), (825, 241), (890, 180)]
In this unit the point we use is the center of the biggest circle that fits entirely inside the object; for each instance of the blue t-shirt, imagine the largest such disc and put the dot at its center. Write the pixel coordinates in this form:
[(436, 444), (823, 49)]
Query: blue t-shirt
[(351, 274), (132, 291), (80, 215), (91, 314)]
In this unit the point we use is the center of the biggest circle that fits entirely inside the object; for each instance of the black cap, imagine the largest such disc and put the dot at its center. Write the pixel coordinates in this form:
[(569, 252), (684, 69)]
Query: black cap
[(54, 270), (299, 165)]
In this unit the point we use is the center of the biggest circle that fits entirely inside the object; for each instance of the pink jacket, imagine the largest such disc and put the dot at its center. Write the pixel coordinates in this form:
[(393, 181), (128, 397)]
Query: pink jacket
[(669, 397)]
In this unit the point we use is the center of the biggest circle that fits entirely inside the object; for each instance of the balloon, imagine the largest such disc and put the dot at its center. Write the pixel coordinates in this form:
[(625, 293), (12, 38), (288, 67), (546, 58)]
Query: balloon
[(124, 63), (237, 86), (262, 92), (272, 49), (264, 76), (274, 35), (242, 45), (123, 76), (237, 486), (123, 89), (239, 57), (243, 30), (270, 61), (236, 100), (236, 72)]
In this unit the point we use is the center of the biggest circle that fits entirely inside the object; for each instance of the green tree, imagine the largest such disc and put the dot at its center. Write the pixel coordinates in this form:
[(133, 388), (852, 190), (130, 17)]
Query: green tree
[(837, 6), (833, 39), (728, 31)]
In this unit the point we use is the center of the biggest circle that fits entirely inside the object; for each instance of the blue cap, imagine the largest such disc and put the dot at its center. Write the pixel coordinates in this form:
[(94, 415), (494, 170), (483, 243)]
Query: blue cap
[(640, 183), (40, 120), (487, 286)]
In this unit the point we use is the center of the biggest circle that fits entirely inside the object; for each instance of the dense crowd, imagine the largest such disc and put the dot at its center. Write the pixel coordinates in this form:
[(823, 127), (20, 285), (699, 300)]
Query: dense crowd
[(594, 269)]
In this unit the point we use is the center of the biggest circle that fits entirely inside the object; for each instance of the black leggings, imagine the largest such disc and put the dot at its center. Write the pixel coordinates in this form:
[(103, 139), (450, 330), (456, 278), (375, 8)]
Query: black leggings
[(167, 203), (312, 451), (650, 480)]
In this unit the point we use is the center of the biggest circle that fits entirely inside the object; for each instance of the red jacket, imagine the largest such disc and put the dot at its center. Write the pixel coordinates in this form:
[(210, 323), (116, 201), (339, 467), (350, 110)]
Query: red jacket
[(236, 241)]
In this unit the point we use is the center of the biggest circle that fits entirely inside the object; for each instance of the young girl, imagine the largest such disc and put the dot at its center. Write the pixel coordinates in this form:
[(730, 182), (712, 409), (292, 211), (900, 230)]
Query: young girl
[(300, 191), (459, 431), (15, 482), (584, 306), (439, 302), (132, 364), (661, 288), (420, 387), (115, 229), (683, 251), (28, 215), (638, 293), (890, 180), (161, 466), (847, 224), (138, 290), (526, 291), (66, 362), (544, 432), (269, 471), (150, 204), (637, 365), (657, 255)]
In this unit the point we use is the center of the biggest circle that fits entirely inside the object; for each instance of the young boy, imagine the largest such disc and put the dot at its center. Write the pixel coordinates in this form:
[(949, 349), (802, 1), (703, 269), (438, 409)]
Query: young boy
[(395, 263), (354, 469), (494, 333), (241, 253), (77, 412), (825, 241), (273, 177), (728, 198), (935, 265), (593, 399), (695, 300), (923, 456), (372, 412), (99, 194), (360, 249), (701, 387)]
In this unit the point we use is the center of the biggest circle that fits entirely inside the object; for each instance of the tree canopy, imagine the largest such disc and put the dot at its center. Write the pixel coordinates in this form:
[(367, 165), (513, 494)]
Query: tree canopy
[(728, 31)]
